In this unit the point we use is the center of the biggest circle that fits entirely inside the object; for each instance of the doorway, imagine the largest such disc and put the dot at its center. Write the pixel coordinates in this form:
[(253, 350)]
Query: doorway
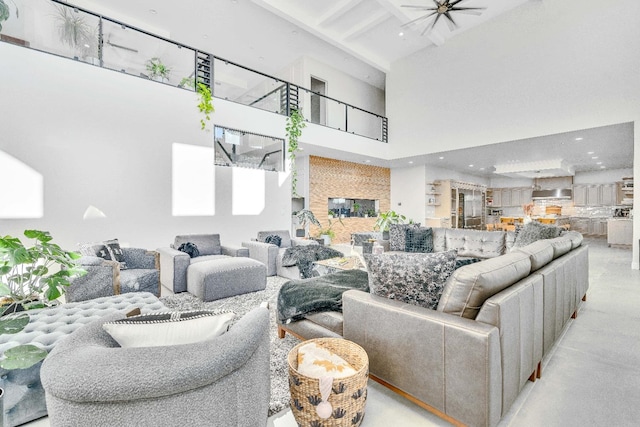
[(318, 103)]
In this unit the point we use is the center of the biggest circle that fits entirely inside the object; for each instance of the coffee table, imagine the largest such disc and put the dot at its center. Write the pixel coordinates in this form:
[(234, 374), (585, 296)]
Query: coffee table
[(333, 265)]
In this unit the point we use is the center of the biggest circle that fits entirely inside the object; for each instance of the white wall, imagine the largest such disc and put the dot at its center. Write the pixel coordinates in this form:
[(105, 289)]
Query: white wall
[(103, 138), (542, 68), (602, 177), (406, 183)]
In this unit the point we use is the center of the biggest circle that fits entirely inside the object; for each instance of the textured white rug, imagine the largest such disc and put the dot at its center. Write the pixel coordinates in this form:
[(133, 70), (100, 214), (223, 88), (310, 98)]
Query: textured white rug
[(241, 305)]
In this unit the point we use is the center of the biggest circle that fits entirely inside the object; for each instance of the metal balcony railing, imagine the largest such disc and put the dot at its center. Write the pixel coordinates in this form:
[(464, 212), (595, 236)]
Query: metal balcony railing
[(76, 33)]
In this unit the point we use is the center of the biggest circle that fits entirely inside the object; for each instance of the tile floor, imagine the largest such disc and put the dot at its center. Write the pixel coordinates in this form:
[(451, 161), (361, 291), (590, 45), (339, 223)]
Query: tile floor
[(591, 377)]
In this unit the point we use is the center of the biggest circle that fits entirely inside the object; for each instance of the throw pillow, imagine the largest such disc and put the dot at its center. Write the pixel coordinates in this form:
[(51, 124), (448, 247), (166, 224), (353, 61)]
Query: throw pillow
[(317, 362), (416, 279), (535, 231), (168, 328), (466, 261), (190, 249), (116, 252), (273, 239), (98, 249), (397, 234), (419, 240)]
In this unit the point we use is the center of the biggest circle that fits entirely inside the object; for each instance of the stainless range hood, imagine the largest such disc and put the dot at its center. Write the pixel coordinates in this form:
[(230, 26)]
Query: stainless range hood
[(559, 193)]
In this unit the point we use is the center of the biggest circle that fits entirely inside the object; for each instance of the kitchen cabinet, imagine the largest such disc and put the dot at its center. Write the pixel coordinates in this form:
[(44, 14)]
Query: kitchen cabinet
[(506, 197), (593, 195), (619, 232), (608, 194), (516, 196), (580, 195), (497, 198)]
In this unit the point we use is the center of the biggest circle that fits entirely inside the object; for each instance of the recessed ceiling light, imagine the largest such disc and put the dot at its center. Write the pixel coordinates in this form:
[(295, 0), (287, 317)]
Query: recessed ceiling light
[(602, 167), (367, 161), (153, 11), (482, 169), (400, 34), (594, 157), (470, 166), (410, 162), (579, 138), (441, 158), (598, 163), (590, 152)]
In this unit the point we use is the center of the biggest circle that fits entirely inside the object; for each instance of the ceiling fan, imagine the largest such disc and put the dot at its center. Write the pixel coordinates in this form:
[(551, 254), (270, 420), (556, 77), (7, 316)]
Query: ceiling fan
[(438, 9)]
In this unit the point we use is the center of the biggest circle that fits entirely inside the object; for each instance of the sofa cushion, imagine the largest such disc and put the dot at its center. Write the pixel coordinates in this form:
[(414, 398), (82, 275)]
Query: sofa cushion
[(397, 236), (575, 237), (416, 279), (168, 328), (561, 245), (419, 240), (439, 239), (535, 231), (469, 286), (285, 237), (208, 244), (540, 253), (474, 243)]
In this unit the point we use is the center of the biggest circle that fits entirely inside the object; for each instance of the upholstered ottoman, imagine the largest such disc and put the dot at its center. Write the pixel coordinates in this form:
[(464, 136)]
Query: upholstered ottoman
[(24, 398), (227, 277)]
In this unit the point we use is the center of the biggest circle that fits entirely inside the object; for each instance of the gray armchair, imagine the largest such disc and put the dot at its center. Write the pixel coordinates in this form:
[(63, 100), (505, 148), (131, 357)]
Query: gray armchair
[(271, 255), (90, 381), (106, 278), (174, 263)]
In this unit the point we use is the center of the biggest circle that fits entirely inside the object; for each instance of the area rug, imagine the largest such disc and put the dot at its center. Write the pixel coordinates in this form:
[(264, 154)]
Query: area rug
[(241, 305)]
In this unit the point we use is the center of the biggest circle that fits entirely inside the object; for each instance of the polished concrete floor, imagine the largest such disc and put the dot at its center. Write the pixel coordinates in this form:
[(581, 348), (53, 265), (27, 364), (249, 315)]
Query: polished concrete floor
[(591, 377)]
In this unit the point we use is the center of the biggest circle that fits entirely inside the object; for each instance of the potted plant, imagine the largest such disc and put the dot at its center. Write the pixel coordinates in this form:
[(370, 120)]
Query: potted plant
[(304, 217), (5, 12), (330, 214), (356, 208), (73, 30), (385, 219), (327, 233), (293, 128), (30, 278), (157, 70), (205, 105)]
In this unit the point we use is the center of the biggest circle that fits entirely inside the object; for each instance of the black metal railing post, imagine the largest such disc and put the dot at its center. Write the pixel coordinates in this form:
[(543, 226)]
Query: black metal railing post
[(385, 129), (346, 118), (287, 110), (100, 42)]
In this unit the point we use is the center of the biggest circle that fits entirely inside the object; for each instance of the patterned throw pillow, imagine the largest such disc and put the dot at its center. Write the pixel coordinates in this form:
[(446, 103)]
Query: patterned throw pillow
[(98, 249), (418, 240), (116, 252), (273, 239), (168, 328), (466, 261), (397, 234), (190, 249), (416, 279), (534, 231)]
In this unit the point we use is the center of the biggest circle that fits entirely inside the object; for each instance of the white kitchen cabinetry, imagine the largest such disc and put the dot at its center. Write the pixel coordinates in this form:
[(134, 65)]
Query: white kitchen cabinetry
[(608, 194), (619, 232), (506, 197), (497, 198), (593, 195), (516, 196), (580, 195)]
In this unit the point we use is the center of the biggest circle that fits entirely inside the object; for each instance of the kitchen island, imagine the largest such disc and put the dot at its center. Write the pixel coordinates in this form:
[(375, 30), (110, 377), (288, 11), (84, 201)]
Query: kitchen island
[(619, 231)]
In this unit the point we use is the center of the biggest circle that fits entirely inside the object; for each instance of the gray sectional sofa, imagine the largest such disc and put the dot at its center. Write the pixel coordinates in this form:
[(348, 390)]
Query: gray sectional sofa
[(468, 360)]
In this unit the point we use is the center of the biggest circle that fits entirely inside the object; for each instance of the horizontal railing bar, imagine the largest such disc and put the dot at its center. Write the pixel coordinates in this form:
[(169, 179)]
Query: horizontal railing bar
[(339, 102)]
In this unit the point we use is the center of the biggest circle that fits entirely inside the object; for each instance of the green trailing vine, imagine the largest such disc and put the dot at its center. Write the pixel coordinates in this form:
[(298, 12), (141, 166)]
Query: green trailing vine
[(205, 105), (295, 124)]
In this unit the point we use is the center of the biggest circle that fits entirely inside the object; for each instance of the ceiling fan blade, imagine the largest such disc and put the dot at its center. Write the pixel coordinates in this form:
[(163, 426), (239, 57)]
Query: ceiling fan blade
[(470, 10), (455, 3), (422, 18), (437, 3), (433, 24), (450, 22)]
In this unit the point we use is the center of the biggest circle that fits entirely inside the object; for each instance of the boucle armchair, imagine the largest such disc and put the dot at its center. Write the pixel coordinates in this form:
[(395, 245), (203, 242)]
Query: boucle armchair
[(90, 381), (107, 278), (174, 263), (271, 255)]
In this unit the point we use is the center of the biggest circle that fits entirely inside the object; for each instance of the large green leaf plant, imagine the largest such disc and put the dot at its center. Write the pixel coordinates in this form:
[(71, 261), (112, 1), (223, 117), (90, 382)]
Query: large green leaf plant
[(30, 277)]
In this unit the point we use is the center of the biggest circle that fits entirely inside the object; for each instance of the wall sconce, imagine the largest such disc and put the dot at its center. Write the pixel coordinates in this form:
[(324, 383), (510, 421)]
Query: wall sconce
[(93, 213)]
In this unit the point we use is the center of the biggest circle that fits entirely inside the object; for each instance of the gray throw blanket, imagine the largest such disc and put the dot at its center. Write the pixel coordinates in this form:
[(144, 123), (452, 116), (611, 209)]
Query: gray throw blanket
[(300, 297), (304, 256)]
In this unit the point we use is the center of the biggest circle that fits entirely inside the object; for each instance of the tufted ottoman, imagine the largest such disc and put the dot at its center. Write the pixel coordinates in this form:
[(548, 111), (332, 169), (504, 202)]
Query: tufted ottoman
[(24, 398), (226, 277)]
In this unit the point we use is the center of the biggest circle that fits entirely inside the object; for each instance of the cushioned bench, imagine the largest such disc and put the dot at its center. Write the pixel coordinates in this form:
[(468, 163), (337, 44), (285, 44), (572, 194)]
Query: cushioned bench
[(24, 396), (226, 277)]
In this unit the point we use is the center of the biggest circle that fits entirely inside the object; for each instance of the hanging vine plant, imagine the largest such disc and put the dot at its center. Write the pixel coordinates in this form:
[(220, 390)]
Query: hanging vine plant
[(295, 124), (206, 104)]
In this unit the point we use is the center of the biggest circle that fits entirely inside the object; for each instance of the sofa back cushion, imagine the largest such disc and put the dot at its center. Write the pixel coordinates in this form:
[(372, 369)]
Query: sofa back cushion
[(574, 236), (561, 245), (419, 239), (439, 239), (474, 243), (469, 286), (285, 237), (412, 278), (397, 236), (540, 253), (208, 244)]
